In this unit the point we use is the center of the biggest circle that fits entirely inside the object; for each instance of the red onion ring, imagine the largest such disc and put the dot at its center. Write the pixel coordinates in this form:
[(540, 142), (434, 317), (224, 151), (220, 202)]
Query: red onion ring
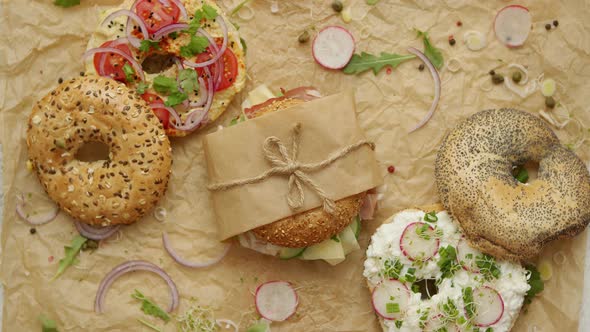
[(170, 110), (169, 29), (203, 94), (131, 266), (215, 57), (127, 57), (436, 79), (214, 52), (186, 263), (36, 220), (96, 233), (103, 57), (132, 16), (129, 27)]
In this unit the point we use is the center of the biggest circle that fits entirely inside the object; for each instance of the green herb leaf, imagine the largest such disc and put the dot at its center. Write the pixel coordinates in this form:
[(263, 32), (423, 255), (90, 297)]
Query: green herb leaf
[(535, 282), (431, 52), (244, 45), (421, 232), (141, 87), (392, 269), (468, 301), (258, 327), (521, 174), (209, 12), (448, 261), (391, 307), (149, 307), (70, 255), (165, 85), (431, 217), (198, 44), (47, 325), (398, 323), (489, 329), (129, 73), (176, 98), (189, 80), (410, 276), (365, 61), (195, 23), (335, 238), (146, 44), (150, 325), (66, 3)]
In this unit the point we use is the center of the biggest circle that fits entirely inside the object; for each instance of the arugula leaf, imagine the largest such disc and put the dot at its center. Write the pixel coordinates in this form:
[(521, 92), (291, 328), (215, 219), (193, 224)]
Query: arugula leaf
[(448, 261), (244, 45), (431, 52), (198, 44), (70, 255), (149, 307), (47, 325), (146, 44), (165, 85), (238, 7), (129, 73), (468, 301), (209, 12), (372, 2), (398, 323), (176, 98), (365, 61), (141, 87), (188, 80), (66, 3), (535, 282)]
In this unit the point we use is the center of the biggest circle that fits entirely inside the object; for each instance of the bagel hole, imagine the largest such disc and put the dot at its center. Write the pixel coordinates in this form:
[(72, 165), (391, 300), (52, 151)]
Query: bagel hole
[(526, 172), (157, 63), (426, 287), (93, 151)]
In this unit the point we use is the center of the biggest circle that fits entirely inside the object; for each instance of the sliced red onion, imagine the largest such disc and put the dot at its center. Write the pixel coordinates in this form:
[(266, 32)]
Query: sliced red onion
[(203, 94), (194, 119), (37, 218), (170, 110), (436, 79), (215, 57), (129, 27), (96, 233), (169, 29), (131, 266), (103, 57), (132, 16), (214, 51), (186, 263), (136, 66)]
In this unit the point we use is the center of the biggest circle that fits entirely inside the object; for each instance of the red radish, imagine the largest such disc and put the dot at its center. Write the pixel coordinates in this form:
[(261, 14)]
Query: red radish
[(466, 256), (276, 300), (421, 246), (512, 25), (437, 323), (333, 47), (390, 294), (489, 306)]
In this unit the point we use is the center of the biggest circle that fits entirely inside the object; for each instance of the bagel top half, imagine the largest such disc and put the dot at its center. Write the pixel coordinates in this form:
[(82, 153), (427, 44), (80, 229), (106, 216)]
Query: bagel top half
[(499, 215)]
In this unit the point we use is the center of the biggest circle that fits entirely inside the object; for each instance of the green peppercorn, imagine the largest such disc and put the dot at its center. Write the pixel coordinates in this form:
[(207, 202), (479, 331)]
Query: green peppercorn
[(497, 79), (547, 26), (550, 102), (516, 76), (421, 67), (337, 6), (492, 72), (303, 37), (90, 245)]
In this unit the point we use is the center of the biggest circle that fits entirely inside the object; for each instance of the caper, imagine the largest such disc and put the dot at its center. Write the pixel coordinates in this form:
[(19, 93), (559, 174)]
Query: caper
[(337, 6), (550, 102), (497, 79), (303, 37), (516, 76)]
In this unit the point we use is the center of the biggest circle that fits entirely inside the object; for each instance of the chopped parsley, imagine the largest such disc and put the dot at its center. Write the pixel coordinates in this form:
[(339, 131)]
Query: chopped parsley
[(398, 323), (431, 217), (129, 73), (147, 44), (169, 86), (535, 282), (198, 44), (391, 307), (487, 266), (448, 261), (141, 87), (410, 275), (188, 80), (66, 3), (469, 302), (149, 307), (47, 324)]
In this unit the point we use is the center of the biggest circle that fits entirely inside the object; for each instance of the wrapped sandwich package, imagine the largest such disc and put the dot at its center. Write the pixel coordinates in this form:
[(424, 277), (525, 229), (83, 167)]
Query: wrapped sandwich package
[(327, 125), (41, 43)]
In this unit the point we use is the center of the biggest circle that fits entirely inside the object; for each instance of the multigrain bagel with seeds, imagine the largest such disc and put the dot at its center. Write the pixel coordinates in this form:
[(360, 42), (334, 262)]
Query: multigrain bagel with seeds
[(499, 215), (105, 192)]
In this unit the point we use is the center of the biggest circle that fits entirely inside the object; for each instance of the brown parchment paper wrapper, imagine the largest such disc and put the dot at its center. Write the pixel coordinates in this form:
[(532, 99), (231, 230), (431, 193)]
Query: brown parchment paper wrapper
[(40, 43), (327, 125)]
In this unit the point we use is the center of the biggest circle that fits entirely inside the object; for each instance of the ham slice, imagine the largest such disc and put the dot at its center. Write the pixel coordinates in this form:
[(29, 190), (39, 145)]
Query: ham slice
[(369, 206)]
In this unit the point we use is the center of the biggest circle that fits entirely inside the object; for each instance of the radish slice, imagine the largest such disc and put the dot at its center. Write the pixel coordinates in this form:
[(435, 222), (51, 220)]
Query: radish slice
[(390, 299), (512, 25), (276, 300), (466, 256), (437, 323), (418, 244), (333, 47), (489, 306)]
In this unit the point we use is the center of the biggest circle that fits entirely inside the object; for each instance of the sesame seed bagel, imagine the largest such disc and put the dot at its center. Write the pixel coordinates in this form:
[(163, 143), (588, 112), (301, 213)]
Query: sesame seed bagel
[(105, 192), (499, 215)]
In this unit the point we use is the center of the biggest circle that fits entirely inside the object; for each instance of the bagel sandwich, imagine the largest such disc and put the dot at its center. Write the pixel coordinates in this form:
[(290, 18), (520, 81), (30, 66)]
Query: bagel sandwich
[(313, 234), (188, 68)]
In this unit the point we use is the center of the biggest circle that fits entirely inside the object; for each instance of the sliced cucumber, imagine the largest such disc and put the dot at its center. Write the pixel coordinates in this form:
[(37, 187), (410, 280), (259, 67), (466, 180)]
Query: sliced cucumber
[(334, 261), (327, 249), (348, 240), (288, 253), (356, 226)]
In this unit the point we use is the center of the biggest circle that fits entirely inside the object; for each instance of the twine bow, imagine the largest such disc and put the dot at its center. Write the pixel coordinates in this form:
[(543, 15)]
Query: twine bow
[(284, 163)]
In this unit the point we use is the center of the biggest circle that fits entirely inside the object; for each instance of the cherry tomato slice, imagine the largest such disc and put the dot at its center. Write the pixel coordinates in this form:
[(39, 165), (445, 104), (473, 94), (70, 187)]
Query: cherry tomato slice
[(230, 67), (161, 113), (156, 15), (113, 63)]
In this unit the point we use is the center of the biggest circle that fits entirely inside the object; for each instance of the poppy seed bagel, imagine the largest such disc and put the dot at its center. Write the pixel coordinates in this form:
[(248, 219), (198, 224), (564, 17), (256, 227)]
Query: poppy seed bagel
[(499, 215), (119, 190)]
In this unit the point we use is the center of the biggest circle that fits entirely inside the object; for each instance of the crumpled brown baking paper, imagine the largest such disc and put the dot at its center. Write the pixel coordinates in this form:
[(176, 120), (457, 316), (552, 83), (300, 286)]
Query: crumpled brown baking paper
[(40, 43), (328, 125)]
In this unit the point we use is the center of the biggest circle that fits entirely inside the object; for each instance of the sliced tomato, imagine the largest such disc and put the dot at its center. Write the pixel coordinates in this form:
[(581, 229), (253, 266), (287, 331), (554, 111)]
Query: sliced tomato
[(156, 15), (230, 67), (113, 63), (161, 113)]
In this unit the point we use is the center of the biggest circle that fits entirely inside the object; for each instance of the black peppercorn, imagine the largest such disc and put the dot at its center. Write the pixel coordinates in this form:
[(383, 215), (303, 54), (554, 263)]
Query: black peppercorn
[(497, 79), (452, 41), (492, 72), (555, 23), (421, 67), (33, 230), (60, 80), (547, 26)]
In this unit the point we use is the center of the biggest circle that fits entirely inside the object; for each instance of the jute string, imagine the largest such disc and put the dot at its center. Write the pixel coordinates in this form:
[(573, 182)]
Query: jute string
[(284, 163)]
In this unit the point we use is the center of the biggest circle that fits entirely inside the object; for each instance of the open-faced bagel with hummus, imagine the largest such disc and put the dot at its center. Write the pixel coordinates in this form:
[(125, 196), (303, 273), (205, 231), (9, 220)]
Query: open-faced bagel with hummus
[(424, 276), (312, 234), (183, 56), (498, 214)]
